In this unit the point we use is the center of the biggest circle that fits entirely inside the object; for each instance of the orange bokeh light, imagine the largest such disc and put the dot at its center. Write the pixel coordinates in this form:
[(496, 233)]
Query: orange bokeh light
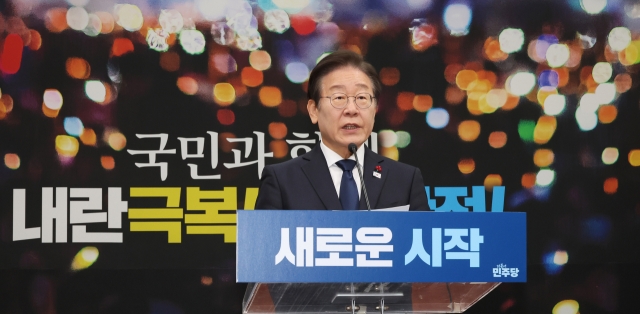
[(405, 100), (469, 130), (389, 76), (251, 77), (497, 139), (187, 85), (422, 103), (121, 46), (279, 148), (492, 180), (466, 165), (528, 180), (107, 162), (611, 185), (607, 113), (277, 130), (465, 77), (78, 68), (270, 96)]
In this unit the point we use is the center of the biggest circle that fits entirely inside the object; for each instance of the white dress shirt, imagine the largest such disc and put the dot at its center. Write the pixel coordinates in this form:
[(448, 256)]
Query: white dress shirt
[(336, 172)]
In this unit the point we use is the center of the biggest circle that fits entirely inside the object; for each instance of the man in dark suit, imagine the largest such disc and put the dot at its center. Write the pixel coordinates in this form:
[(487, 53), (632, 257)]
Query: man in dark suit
[(343, 90)]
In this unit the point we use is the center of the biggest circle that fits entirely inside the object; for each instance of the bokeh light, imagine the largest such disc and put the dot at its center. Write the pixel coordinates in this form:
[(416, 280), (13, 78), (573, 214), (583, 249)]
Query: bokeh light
[(85, 258), (610, 155), (260, 60), (11, 57), (389, 76), (619, 38), (511, 40), (276, 21), (557, 55), (77, 18), (56, 20), (545, 177), (404, 139), (277, 130), (404, 100), (171, 21), (561, 257), (497, 139), (520, 83), (554, 104), (422, 103), (303, 24), (543, 157), (280, 148), (187, 85), (457, 18), (226, 116), (492, 180), (593, 7), (390, 152), (121, 46), (566, 306), (634, 157), (224, 94), (117, 141), (73, 126), (465, 77), (88, 137), (95, 90), (437, 118), (610, 185), (128, 16), (270, 96), (297, 72), (544, 130), (469, 130), (192, 41), (251, 77), (67, 146), (526, 129), (12, 161), (107, 162), (78, 68), (52, 99), (607, 114), (387, 138), (528, 180), (623, 82), (466, 165), (602, 72), (605, 93)]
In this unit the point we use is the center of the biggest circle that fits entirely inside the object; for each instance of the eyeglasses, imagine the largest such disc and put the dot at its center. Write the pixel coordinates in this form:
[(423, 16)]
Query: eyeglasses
[(340, 100)]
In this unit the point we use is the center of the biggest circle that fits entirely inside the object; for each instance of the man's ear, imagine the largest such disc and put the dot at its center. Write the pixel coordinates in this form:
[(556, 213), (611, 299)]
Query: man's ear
[(313, 111)]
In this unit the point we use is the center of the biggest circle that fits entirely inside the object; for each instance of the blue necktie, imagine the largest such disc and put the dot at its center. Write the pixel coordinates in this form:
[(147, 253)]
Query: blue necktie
[(348, 189)]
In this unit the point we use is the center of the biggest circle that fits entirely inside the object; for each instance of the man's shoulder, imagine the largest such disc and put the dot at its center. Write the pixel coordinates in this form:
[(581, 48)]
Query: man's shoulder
[(291, 163), (388, 162)]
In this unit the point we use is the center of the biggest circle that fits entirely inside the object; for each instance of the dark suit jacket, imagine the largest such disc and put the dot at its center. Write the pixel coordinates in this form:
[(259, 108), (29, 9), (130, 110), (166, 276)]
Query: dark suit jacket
[(305, 183)]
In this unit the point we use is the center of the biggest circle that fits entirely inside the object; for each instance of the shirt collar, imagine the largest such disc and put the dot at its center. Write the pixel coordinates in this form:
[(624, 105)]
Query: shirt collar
[(333, 157)]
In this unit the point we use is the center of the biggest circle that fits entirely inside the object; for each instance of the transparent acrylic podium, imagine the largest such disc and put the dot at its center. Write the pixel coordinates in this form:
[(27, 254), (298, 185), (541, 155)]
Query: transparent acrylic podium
[(328, 298)]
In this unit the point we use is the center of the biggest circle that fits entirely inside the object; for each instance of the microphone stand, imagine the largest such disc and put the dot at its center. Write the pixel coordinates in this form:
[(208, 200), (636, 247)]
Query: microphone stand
[(354, 149)]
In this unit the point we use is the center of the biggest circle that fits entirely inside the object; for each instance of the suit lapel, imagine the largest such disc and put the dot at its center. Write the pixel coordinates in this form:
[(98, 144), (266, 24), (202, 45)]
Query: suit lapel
[(373, 184), (318, 174)]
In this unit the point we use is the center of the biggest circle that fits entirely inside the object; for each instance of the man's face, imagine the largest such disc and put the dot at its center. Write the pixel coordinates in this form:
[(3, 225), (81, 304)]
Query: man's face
[(351, 124)]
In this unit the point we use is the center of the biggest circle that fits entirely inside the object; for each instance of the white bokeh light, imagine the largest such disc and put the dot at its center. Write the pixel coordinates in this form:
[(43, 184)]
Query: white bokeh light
[(557, 55), (457, 18), (545, 177), (95, 90), (606, 93), (619, 38), (602, 72), (554, 104), (511, 40), (521, 83), (593, 6)]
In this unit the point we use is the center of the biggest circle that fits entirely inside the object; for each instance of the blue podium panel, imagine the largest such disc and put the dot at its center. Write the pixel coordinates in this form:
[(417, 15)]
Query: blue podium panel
[(363, 246)]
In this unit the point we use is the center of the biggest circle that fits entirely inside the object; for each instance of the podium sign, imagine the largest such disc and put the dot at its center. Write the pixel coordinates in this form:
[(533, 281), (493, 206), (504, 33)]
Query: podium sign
[(306, 246)]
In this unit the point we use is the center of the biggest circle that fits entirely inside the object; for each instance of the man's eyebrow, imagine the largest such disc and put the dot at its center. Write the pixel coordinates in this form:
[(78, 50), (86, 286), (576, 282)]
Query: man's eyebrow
[(361, 85)]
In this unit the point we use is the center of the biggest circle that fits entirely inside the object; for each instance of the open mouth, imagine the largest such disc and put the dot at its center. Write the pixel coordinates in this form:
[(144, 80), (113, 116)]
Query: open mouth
[(350, 126)]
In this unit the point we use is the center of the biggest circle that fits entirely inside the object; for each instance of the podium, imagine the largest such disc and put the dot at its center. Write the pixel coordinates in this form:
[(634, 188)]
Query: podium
[(340, 298), (368, 262)]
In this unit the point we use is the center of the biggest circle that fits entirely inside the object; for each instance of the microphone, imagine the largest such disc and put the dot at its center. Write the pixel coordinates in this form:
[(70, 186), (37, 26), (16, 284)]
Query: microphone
[(353, 149)]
